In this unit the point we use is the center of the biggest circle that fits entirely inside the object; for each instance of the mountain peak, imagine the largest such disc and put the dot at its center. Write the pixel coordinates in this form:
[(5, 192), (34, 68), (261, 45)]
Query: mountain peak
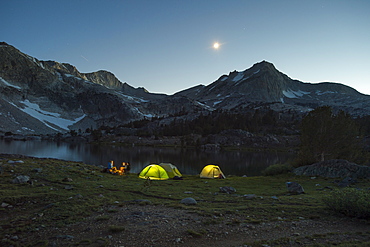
[(263, 65)]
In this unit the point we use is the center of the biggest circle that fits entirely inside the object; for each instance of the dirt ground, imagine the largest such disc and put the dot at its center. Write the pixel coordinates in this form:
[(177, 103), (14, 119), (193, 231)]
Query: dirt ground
[(149, 225)]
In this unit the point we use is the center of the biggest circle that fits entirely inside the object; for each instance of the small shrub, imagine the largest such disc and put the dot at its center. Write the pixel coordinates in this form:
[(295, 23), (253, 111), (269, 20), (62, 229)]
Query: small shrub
[(8, 133), (115, 228), (234, 222), (84, 242), (211, 222), (102, 218), (112, 210), (41, 243), (277, 169), (252, 221), (195, 233), (349, 201)]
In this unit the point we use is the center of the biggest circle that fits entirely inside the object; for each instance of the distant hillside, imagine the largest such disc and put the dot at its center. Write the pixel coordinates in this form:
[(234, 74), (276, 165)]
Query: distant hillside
[(47, 97), (40, 97), (264, 83)]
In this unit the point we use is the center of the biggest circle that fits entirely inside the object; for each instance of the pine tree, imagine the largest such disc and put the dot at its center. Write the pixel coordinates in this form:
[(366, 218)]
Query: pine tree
[(328, 136)]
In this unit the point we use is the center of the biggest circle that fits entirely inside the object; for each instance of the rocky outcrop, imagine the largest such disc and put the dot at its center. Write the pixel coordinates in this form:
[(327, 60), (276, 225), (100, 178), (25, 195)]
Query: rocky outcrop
[(336, 168), (65, 68), (104, 78), (24, 72)]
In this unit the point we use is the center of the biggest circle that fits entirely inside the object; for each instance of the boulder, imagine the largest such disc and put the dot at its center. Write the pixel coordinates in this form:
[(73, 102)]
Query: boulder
[(294, 188), (37, 170), (21, 179), (15, 161), (227, 189), (336, 168), (67, 180), (346, 182), (68, 187), (249, 196), (189, 201)]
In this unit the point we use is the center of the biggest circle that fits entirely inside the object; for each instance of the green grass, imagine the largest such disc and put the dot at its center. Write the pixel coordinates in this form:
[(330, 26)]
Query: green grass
[(277, 169), (317, 240), (49, 203), (350, 201)]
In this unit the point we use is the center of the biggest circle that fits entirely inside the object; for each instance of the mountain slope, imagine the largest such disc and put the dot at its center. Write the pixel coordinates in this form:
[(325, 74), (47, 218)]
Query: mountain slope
[(264, 83), (40, 97), (57, 97)]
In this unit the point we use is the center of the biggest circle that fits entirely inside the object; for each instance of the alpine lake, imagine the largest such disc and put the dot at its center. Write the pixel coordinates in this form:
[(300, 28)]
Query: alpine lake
[(188, 161)]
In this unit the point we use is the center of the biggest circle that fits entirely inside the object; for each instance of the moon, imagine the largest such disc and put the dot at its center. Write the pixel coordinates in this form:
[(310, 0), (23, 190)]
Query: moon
[(216, 45)]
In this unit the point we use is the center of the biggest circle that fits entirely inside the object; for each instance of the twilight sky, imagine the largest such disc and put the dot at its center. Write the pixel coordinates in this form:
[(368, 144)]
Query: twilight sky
[(167, 45)]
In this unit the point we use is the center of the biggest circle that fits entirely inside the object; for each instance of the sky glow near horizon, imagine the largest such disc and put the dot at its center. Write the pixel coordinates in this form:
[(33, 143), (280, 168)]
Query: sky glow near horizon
[(167, 46)]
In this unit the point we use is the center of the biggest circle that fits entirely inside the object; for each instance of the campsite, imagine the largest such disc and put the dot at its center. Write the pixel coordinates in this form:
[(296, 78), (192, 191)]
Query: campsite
[(75, 204)]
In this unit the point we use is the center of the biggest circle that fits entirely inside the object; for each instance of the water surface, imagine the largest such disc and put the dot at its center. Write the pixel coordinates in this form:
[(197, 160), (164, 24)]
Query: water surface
[(188, 161)]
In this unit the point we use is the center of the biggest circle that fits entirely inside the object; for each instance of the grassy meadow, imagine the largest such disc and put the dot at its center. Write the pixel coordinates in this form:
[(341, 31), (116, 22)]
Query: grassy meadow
[(63, 192)]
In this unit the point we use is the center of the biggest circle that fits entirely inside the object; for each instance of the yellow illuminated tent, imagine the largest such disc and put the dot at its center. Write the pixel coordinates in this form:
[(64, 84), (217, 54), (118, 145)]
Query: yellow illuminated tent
[(171, 170), (212, 171), (154, 172)]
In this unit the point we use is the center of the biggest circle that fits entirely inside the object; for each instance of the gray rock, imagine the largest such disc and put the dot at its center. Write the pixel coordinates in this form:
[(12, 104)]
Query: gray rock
[(189, 201), (249, 196), (37, 169), (294, 187), (14, 237), (68, 187), (67, 237), (15, 161), (227, 189), (67, 180), (336, 168), (21, 179), (346, 182), (49, 205)]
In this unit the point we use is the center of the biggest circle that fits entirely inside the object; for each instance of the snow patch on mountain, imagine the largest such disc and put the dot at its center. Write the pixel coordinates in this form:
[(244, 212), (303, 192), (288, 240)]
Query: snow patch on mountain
[(225, 78), (238, 77), (132, 98), (8, 84), (205, 106), (326, 92), (46, 117), (143, 114), (209, 90), (294, 94)]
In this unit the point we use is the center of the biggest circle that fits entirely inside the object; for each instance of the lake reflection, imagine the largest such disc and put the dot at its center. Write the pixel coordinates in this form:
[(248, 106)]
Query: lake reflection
[(188, 161)]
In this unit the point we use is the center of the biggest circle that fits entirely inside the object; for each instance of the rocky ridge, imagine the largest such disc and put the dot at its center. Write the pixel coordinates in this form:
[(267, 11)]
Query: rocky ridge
[(264, 83), (41, 97), (336, 168)]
